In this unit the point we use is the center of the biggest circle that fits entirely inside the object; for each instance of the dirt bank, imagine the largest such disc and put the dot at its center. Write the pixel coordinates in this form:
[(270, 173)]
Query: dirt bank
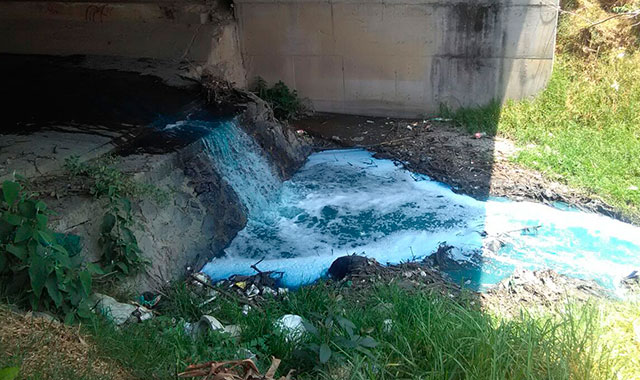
[(480, 167)]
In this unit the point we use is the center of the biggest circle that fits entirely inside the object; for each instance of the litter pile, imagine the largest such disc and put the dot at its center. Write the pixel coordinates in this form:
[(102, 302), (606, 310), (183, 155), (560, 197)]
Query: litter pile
[(360, 272), (539, 290)]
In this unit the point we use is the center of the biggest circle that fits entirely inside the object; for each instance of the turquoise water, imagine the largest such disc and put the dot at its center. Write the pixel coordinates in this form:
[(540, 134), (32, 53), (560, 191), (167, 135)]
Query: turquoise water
[(345, 201)]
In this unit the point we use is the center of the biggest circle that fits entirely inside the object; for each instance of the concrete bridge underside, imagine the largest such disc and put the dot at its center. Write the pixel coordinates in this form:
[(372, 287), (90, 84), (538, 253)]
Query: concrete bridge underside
[(371, 57)]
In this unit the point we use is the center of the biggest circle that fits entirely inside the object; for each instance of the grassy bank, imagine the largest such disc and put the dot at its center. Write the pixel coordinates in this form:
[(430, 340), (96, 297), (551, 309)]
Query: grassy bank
[(429, 337), (585, 127)]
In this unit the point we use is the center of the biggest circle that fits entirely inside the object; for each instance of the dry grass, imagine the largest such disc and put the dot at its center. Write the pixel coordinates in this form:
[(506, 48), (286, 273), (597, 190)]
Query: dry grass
[(47, 349)]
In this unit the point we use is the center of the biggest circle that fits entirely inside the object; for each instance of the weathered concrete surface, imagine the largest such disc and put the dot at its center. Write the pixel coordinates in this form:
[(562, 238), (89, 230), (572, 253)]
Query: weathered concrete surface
[(399, 57), (200, 36)]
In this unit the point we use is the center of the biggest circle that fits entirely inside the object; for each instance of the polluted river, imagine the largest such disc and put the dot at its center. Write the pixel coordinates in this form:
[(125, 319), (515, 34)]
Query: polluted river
[(345, 202)]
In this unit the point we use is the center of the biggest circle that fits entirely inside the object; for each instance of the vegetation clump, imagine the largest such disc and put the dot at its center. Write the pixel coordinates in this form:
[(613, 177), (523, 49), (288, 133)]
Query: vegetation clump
[(285, 103), (37, 266), (120, 250)]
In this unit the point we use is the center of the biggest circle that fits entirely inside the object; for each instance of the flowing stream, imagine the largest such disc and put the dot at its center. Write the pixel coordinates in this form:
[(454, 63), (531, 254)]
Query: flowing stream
[(345, 201)]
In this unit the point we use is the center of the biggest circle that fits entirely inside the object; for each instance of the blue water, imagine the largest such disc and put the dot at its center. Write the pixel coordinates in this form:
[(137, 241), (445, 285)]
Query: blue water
[(345, 201)]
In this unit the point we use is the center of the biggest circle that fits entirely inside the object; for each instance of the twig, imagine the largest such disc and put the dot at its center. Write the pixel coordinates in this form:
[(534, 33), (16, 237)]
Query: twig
[(631, 14), (255, 266)]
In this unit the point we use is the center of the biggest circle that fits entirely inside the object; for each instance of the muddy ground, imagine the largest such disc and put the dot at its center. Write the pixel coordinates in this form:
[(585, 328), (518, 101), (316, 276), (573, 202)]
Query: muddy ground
[(480, 167)]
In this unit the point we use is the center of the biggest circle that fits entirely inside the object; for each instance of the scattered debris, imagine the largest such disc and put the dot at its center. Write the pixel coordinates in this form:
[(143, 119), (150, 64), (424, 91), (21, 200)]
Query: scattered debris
[(539, 290), (233, 370), (291, 325), (631, 282), (119, 313), (205, 324)]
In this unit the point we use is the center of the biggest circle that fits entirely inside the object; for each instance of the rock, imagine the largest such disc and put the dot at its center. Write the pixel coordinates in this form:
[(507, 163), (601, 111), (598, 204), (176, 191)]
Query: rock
[(205, 324), (119, 313), (346, 265), (292, 327)]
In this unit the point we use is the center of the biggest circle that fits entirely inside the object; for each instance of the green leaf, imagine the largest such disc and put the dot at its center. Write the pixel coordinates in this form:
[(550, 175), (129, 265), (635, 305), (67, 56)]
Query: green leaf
[(126, 204), (310, 327), (9, 373), (23, 233), (324, 353), (41, 206), (10, 190), (108, 221), (85, 280), (42, 221), (13, 219), (84, 311), (5, 230), (95, 269), (46, 237), (53, 290), (368, 342), (70, 318), (38, 273), (19, 251), (27, 209)]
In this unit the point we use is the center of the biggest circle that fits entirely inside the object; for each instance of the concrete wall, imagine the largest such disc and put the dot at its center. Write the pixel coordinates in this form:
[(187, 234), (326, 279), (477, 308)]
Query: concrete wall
[(399, 57), (183, 31)]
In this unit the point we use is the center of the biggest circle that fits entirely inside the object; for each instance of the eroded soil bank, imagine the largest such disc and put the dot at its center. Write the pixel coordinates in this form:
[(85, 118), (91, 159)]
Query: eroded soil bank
[(480, 167)]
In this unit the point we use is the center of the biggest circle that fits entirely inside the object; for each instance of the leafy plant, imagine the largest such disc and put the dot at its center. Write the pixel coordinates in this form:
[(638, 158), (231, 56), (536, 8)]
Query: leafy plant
[(336, 335), (285, 102), (120, 250), (34, 263)]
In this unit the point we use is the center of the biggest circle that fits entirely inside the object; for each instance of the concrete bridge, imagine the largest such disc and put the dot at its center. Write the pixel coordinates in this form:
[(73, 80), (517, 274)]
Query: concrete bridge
[(371, 57)]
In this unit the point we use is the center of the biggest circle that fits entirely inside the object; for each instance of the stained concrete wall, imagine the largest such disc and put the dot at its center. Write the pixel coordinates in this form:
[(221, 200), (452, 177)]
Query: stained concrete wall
[(197, 34), (399, 57)]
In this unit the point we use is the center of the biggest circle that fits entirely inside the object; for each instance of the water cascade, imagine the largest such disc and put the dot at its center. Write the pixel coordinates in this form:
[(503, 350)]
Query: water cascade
[(346, 201)]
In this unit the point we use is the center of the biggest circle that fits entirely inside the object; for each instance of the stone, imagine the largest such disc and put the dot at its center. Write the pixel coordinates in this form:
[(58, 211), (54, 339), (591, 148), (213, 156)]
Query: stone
[(292, 327), (119, 313)]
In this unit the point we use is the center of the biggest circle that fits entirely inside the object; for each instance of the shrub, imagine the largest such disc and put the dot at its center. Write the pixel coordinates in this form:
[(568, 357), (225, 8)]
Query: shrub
[(285, 102)]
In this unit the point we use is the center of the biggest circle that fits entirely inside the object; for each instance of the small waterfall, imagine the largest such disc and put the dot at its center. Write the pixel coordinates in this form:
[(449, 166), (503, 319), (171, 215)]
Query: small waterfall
[(240, 161)]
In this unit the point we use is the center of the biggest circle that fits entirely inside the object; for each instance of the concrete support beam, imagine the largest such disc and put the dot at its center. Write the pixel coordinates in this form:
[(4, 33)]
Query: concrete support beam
[(399, 57)]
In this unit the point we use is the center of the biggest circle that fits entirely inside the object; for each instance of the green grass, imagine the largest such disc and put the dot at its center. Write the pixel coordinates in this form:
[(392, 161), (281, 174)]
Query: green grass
[(585, 127), (432, 337), (579, 129)]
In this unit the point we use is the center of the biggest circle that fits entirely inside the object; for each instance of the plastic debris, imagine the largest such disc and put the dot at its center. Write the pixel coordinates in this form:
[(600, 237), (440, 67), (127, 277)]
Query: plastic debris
[(291, 325)]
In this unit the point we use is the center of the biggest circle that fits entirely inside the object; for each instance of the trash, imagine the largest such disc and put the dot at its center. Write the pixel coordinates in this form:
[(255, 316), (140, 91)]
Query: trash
[(200, 279), (246, 354), (253, 291), (387, 325), (205, 324), (233, 330), (246, 309), (233, 370), (370, 121), (633, 188), (149, 299), (300, 132), (291, 325), (479, 135), (119, 313), (142, 314)]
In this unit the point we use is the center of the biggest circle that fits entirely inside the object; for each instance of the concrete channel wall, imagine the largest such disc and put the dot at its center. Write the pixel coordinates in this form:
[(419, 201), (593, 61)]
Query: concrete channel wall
[(400, 57)]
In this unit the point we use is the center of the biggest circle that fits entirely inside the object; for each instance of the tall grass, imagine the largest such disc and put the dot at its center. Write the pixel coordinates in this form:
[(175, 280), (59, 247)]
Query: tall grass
[(430, 337)]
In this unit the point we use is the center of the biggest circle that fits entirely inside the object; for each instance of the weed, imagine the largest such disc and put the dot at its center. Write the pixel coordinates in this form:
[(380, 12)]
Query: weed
[(120, 251), (35, 266)]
